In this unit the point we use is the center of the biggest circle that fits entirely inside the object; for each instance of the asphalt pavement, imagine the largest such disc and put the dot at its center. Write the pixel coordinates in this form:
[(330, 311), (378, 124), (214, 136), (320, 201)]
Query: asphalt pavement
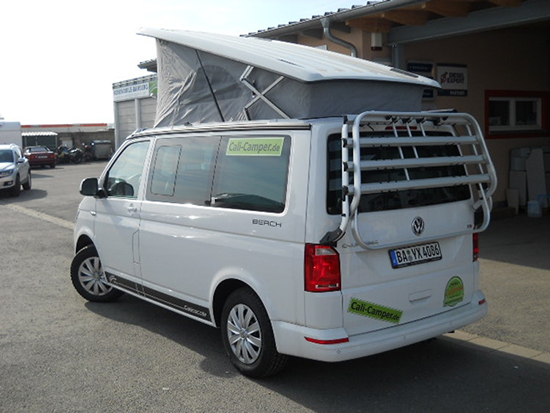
[(59, 353)]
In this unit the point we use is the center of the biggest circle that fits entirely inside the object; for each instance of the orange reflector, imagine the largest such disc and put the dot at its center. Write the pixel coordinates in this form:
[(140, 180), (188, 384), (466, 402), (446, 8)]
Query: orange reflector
[(328, 342)]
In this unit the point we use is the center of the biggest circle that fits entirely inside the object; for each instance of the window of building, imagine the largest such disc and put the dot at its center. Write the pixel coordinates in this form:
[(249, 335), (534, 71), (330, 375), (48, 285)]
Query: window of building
[(516, 114), (511, 114)]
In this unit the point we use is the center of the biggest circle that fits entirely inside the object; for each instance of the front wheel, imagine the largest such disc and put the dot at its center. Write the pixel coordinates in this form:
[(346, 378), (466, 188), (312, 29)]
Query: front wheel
[(89, 279), (16, 188), (248, 337), (28, 185)]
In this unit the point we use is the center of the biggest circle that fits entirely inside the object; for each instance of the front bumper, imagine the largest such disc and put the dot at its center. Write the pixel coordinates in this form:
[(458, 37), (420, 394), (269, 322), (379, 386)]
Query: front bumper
[(7, 181)]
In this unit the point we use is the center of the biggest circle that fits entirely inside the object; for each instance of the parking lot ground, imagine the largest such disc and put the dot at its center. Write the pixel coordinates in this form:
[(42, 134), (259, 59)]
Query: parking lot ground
[(515, 276), (61, 353)]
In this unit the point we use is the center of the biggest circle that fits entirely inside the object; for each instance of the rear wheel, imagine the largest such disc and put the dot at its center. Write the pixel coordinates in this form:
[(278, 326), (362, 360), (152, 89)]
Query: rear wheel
[(89, 279), (248, 337)]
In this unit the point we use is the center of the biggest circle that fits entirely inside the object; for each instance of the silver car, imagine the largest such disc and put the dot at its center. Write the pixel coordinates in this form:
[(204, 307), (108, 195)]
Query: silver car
[(15, 170)]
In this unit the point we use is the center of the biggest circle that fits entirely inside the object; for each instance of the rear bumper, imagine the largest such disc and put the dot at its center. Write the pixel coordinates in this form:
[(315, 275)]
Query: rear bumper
[(39, 162), (291, 338)]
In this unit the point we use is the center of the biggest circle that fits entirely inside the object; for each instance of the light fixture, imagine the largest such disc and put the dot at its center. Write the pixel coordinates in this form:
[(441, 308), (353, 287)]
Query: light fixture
[(376, 42)]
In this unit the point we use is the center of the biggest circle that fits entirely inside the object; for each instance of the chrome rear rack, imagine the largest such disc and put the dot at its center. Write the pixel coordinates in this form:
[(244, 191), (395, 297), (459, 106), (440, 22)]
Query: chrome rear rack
[(407, 131)]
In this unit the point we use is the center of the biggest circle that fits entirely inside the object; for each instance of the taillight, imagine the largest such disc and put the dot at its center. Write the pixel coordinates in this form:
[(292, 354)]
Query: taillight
[(475, 243), (322, 269)]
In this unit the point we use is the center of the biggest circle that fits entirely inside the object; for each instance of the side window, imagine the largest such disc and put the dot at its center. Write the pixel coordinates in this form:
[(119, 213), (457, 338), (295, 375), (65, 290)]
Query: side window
[(124, 175), (163, 178), (183, 169), (252, 173)]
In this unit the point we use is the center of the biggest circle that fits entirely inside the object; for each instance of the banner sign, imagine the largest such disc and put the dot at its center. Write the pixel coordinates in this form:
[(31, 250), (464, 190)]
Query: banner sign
[(425, 69), (453, 79), (135, 91)]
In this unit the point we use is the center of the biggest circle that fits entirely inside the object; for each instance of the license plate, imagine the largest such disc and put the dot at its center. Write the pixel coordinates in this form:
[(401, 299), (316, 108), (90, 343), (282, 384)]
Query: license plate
[(418, 254)]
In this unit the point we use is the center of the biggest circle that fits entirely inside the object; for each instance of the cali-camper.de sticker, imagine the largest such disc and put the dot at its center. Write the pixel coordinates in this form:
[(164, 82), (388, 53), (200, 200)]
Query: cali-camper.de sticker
[(255, 146), (376, 311)]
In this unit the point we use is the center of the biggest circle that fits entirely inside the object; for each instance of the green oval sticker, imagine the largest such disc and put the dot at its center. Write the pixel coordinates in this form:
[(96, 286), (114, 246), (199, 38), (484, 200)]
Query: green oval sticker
[(454, 292)]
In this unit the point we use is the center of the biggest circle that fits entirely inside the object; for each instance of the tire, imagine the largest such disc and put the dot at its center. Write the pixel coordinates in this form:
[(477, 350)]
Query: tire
[(89, 279), (28, 185), (16, 189), (248, 337), (52, 165)]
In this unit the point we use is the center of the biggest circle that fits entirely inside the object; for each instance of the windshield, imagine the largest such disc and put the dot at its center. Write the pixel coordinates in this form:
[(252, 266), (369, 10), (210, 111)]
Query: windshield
[(38, 149), (6, 155)]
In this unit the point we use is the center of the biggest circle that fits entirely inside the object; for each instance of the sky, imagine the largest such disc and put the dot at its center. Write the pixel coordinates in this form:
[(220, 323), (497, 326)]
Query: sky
[(59, 58)]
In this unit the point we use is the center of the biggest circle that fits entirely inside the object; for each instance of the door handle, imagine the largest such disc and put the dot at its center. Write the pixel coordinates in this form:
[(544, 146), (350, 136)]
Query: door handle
[(131, 209)]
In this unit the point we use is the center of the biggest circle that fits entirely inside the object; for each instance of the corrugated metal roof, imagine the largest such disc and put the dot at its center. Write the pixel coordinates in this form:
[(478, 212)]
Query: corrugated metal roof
[(38, 134), (299, 62), (341, 15)]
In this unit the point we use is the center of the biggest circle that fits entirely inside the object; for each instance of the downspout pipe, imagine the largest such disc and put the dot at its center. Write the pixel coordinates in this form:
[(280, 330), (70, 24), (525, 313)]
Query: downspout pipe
[(326, 29)]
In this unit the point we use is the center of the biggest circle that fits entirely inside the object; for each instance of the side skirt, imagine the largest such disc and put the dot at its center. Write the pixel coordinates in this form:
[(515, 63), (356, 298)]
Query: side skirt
[(165, 300)]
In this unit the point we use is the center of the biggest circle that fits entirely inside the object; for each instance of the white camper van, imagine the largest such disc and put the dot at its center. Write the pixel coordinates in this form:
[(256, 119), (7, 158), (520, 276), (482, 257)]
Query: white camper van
[(297, 199)]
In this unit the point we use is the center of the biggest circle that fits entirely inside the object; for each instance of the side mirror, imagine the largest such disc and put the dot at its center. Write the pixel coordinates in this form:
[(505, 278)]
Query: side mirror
[(89, 187)]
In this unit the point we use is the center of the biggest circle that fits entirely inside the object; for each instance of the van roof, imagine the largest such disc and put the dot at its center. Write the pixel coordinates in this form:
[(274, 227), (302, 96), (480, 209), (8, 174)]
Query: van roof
[(303, 63)]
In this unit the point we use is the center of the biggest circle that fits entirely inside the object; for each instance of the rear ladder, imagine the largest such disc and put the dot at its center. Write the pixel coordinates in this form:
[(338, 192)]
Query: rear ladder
[(410, 130)]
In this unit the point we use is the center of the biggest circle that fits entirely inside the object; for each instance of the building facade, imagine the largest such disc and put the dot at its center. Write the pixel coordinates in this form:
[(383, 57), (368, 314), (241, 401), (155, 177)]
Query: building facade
[(491, 57)]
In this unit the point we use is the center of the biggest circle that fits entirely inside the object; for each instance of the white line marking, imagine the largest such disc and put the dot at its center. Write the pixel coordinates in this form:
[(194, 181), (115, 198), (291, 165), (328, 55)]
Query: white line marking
[(40, 215)]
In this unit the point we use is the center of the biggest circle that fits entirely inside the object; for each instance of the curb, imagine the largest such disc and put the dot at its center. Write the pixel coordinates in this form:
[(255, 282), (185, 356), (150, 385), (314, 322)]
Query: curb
[(489, 345)]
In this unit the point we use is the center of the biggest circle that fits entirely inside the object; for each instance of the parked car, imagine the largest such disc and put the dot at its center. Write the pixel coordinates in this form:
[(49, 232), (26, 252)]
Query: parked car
[(321, 236), (40, 156), (15, 170)]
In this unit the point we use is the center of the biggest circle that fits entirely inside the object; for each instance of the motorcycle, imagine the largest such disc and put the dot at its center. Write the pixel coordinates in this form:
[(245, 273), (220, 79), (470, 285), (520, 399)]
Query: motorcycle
[(66, 155), (88, 154)]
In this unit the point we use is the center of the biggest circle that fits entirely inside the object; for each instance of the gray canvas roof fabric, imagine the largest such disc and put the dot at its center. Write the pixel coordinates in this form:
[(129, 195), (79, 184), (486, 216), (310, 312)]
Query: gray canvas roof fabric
[(203, 82)]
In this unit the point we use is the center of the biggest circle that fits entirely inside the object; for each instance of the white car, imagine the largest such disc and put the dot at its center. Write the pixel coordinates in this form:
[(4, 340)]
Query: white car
[(15, 170)]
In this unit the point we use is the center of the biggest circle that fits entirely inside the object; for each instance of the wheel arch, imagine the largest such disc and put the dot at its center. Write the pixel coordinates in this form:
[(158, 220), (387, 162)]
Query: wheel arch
[(83, 241), (223, 290)]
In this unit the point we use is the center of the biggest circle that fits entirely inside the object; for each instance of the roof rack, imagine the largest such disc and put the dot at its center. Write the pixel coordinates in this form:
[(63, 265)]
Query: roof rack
[(409, 130)]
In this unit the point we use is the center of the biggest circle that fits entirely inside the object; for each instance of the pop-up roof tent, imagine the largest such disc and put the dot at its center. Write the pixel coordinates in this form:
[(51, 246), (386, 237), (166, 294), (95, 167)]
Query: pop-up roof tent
[(205, 77)]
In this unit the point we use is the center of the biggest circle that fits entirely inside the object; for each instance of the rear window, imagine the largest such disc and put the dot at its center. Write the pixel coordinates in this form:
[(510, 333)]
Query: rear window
[(397, 199)]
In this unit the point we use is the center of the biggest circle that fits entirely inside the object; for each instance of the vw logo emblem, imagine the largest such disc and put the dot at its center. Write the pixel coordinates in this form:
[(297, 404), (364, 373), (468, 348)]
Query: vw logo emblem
[(417, 226)]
